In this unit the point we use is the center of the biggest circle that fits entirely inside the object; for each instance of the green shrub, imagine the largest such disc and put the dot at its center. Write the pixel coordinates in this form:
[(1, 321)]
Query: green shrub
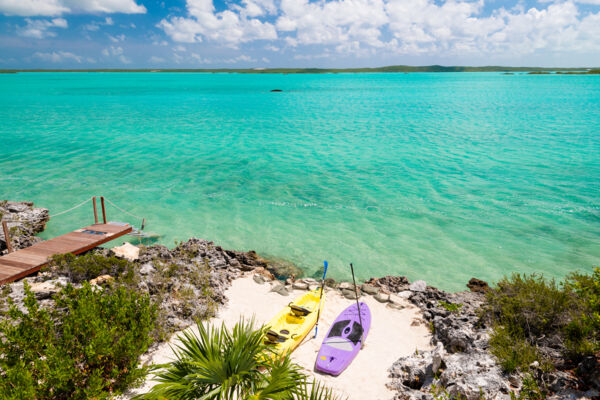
[(88, 266), (87, 347), (529, 391), (583, 333), (513, 352), (523, 310), (452, 307), (530, 306)]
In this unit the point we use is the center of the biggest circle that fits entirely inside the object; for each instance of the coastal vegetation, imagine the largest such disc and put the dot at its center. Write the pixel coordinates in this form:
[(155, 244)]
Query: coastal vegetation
[(218, 363), (86, 346), (595, 71), (78, 331), (89, 266), (539, 324)]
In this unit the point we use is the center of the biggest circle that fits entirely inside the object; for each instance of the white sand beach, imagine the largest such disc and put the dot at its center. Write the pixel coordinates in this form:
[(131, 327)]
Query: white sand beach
[(394, 333)]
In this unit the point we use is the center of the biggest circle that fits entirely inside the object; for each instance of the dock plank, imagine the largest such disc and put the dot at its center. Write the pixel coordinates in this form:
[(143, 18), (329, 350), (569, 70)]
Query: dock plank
[(21, 263)]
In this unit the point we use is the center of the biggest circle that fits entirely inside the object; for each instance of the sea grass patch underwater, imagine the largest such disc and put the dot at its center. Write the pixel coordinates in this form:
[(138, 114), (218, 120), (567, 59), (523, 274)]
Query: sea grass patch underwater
[(473, 174)]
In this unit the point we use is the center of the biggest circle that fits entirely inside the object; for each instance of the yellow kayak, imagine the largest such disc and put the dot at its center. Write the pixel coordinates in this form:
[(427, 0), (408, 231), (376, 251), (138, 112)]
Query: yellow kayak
[(294, 322)]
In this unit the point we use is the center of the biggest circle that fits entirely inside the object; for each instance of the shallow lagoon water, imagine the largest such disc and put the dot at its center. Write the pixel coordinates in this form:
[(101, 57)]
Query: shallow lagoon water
[(438, 177)]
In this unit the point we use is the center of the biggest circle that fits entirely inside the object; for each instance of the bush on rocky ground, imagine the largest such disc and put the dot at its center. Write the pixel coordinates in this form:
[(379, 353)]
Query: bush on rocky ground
[(89, 266), (583, 333), (87, 346), (539, 325), (84, 340)]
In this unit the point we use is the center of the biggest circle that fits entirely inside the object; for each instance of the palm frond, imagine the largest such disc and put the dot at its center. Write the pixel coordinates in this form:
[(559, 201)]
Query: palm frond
[(316, 391)]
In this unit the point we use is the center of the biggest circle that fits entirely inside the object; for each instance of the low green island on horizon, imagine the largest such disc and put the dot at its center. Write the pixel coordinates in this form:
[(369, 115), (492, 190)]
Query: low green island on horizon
[(391, 68)]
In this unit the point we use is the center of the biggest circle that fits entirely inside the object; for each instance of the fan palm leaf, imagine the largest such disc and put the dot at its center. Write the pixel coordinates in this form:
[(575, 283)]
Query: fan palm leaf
[(215, 363)]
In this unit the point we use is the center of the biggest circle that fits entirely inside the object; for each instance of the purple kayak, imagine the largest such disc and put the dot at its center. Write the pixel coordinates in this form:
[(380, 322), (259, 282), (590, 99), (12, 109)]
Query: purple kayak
[(344, 340)]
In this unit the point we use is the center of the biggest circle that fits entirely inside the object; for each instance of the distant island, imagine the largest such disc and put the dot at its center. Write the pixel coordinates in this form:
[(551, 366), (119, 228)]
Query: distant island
[(392, 68)]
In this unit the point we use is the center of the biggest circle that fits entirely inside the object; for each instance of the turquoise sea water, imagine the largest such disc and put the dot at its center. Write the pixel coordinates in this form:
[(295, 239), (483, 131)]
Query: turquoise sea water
[(435, 176)]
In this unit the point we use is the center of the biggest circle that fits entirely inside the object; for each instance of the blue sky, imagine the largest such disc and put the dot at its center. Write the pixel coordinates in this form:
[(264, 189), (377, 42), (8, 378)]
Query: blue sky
[(296, 33)]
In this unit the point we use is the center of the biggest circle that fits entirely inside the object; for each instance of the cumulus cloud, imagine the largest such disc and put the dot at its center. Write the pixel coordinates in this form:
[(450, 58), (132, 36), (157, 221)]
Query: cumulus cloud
[(231, 26), (458, 29), (58, 56), (116, 39), (368, 27), (202, 60), (112, 51), (94, 26), (334, 22), (41, 28), (422, 26), (116, 52), (29, 8), (240, 58)]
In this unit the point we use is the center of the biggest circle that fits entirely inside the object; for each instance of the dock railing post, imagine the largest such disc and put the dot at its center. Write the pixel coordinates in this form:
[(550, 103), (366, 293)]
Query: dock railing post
[(103, 209), (7, 237), (95, 210)]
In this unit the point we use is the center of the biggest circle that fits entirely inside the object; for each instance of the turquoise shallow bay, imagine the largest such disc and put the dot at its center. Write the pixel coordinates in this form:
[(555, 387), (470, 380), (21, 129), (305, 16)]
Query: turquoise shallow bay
[(435, 176)]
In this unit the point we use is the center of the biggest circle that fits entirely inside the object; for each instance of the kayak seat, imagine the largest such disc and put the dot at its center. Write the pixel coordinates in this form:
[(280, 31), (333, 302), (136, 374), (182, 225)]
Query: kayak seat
[(299, 311), (275, 337)]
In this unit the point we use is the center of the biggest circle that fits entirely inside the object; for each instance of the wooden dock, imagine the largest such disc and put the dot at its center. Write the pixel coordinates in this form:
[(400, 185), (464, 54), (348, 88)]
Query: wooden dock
[(24, 262)]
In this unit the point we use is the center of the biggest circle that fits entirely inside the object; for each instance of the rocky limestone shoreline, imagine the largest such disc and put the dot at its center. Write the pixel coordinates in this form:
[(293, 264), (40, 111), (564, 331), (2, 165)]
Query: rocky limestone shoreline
[(24, 222), (189, 282)]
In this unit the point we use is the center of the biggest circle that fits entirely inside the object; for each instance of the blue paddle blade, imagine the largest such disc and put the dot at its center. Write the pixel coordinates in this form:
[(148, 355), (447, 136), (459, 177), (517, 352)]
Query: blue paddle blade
[(325, 270)]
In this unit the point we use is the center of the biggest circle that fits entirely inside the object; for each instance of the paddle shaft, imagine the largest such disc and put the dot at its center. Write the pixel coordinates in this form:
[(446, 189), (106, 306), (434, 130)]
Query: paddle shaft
[(362, 342), (320, 298)]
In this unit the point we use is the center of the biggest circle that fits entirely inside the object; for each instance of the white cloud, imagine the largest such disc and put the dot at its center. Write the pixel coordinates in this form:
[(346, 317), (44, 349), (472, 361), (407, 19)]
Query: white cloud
[(117, 52), (29, 8), (41, 28), (91, 27), (240, 58), (156, 60), (230, 27), (58, 56), (113, 51), (200, 59), (94, 26), (451, 27), (256, 8), (334, 22), (116, 39), (105, 6), (446, 29)]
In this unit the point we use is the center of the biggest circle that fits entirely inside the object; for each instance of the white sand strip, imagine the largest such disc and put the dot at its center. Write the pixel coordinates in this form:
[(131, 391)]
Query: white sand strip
[(392, 336)]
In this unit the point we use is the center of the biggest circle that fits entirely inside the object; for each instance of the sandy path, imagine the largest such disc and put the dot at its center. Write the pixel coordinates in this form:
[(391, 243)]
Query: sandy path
[(391, 336)]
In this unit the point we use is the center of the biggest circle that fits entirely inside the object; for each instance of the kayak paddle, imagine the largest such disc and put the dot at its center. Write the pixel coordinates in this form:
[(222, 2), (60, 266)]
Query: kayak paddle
[(362, 342), (320, 298)]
